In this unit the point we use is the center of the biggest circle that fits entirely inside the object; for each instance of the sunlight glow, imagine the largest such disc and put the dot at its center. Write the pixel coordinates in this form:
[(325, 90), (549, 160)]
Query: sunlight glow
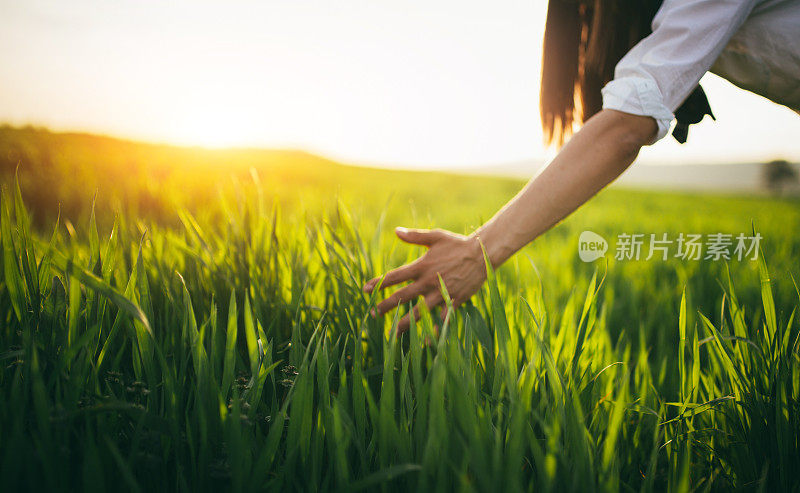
[(415, 84)]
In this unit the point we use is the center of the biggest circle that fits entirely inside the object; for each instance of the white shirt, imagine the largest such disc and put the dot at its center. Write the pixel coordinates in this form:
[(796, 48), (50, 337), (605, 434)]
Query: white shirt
[(755, 44)]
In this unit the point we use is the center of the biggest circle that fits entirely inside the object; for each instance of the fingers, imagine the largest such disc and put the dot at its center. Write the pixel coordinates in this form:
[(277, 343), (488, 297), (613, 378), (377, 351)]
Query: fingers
[(401, 274), (407, 272), (431, 300), (402, 295), (424, 237)]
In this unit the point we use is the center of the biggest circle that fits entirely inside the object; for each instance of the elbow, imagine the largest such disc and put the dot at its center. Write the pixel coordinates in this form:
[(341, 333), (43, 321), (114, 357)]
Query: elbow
[(631, 132)]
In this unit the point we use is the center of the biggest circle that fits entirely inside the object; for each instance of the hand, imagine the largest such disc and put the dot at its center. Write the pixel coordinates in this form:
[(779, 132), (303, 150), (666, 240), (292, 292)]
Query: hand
[(458, 259)]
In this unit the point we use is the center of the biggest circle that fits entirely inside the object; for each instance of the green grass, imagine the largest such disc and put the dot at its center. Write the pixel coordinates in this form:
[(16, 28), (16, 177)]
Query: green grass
[(230, 346)]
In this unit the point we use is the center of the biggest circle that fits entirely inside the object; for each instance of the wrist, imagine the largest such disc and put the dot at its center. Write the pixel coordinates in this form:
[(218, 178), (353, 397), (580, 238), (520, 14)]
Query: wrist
[(495, 249)]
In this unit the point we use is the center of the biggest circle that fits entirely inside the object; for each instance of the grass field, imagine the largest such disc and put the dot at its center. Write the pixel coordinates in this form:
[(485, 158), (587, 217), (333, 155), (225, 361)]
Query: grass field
[(203, 328)]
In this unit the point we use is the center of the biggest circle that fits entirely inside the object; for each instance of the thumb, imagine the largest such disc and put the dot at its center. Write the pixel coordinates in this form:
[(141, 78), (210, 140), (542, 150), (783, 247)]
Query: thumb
[(423, 237)]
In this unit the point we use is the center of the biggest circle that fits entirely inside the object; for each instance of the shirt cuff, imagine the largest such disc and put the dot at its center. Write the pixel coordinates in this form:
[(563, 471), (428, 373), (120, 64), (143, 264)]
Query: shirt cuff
[(638, 96)]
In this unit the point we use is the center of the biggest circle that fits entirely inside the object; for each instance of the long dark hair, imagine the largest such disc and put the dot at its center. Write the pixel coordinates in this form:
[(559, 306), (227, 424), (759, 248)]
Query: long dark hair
[(583, 41)]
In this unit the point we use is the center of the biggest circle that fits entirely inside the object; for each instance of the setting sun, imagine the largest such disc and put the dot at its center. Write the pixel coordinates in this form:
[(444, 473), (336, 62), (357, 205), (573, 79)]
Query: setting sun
[(443, 84), (316, 245)]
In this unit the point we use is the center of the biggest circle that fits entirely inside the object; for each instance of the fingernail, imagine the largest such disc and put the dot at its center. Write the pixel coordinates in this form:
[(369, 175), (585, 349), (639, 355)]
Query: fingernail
[(401, 229)]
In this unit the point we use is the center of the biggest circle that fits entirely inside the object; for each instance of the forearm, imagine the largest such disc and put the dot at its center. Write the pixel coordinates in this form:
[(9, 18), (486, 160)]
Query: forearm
[(605, 146)]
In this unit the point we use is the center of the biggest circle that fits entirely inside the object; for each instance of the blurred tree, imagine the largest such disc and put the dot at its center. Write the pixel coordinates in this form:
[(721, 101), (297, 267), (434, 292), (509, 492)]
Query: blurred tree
[(779, 176)]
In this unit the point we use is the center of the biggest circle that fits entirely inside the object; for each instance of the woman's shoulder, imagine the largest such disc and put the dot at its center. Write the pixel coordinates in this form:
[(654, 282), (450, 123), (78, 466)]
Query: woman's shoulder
[(763, 56)]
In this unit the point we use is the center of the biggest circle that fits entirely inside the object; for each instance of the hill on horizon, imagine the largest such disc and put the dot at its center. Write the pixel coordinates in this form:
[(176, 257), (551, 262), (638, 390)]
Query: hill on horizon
[(65, 172)]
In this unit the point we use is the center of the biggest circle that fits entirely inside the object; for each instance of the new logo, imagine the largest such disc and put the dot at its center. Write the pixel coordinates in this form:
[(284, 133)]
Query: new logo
[(591, 246)]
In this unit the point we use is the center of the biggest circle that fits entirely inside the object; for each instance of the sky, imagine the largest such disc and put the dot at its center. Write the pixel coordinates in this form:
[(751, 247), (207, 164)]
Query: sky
[(412, 83)]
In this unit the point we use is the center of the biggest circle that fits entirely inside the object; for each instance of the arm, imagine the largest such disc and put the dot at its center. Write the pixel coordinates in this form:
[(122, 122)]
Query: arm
[(594, 157), (650, 82)]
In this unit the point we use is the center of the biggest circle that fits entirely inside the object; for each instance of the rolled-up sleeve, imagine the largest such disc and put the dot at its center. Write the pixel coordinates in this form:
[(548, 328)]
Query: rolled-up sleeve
[(658, 74)]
